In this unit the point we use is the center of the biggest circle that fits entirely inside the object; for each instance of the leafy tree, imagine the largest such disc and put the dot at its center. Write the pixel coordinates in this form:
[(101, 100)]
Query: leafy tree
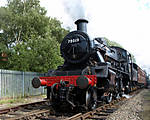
[(133, 58), (112, 43), (37, 55), (30, 37), (56, 29)]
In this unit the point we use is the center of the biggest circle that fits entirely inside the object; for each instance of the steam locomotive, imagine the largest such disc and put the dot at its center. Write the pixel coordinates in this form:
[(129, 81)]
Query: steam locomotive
[(92, 72)]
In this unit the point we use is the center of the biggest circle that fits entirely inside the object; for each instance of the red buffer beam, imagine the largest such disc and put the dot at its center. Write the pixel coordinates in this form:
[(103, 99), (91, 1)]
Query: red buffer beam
[(81, 81)]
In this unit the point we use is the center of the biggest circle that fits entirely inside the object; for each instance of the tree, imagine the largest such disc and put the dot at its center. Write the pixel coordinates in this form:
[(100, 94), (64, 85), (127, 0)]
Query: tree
[(31, 37), (56, 29), (113, 43)]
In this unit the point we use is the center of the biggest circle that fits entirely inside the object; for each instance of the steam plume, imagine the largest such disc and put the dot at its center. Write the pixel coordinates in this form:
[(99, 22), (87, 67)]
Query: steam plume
[(74, 8)]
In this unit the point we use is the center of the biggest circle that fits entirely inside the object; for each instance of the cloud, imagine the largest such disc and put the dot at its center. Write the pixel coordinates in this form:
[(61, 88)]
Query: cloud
[(3, 2), (144, 4)]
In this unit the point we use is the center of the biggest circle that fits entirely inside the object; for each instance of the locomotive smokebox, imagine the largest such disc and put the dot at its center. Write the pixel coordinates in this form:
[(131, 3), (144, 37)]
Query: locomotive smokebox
[(81, 25)]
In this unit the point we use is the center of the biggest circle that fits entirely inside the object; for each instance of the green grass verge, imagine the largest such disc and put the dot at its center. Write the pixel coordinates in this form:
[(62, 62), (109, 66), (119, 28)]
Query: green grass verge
[(19, 100), (5, 101)]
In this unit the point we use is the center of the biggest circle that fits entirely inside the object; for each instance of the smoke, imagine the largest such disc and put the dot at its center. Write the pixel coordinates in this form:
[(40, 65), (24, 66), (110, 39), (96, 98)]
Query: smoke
[(74, 8)]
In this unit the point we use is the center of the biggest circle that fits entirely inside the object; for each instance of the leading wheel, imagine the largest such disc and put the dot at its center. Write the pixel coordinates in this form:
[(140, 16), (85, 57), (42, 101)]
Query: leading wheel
[(91, 98), (109, 98), (117, 95)]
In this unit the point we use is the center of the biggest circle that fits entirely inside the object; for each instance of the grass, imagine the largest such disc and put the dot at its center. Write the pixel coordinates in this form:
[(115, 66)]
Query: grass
[(5, 101), (14, 100), (10, 101)]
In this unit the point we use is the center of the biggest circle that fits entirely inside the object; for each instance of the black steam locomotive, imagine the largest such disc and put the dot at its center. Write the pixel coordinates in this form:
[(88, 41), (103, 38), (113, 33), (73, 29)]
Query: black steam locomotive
[(92, 71)]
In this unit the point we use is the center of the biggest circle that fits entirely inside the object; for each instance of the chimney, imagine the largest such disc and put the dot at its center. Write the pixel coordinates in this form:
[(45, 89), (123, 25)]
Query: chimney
[(81, 25)]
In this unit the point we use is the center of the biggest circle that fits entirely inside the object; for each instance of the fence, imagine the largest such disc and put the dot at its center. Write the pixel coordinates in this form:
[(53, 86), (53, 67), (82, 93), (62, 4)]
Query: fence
[(18, 84)]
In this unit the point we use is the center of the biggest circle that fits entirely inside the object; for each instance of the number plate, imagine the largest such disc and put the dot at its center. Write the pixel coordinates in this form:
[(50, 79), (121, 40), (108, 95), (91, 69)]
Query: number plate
[(76, 40)]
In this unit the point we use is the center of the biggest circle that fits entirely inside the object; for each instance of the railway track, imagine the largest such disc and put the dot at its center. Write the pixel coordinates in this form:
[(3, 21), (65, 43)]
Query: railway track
[(42, 111), (102, 112), (25, 111)]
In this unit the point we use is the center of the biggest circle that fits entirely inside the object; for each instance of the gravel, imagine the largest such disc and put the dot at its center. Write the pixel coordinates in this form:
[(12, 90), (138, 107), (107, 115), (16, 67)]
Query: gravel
[(130, 110)]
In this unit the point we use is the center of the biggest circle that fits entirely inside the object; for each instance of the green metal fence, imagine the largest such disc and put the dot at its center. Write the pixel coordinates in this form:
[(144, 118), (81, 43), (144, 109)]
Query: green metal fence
[(18, 84)]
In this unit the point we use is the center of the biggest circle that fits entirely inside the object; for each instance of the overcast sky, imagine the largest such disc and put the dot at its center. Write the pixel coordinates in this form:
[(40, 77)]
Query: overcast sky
[(124, 21)]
